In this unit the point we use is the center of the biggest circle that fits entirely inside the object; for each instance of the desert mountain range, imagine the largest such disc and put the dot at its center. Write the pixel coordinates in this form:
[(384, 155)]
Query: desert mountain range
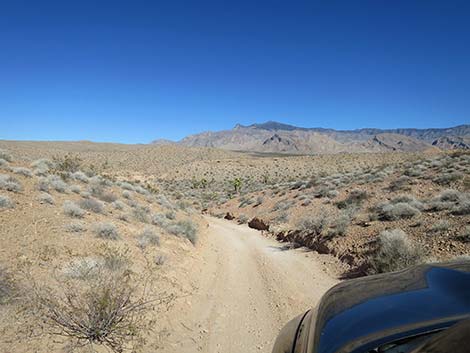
[(275, 137)]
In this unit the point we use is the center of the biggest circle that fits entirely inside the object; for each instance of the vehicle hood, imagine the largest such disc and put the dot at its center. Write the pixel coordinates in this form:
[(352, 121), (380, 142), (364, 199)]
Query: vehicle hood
[(372, 310)]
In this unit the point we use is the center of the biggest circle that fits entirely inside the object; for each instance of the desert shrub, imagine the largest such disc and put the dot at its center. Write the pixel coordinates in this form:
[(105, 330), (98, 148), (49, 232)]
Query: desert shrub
[(124, 217), (42, 166), (6, 286), (3, 163), (127, 194), (9, 183), (91, 205), (105, 310), (185, 228), (5, 202), (170, 215), (106, 231), (391, 211), (118, 205), (464, 237), (283, 205), (22, 171), (242, 219), (141, 190), (313, 223), (126, 186), (401, 207), (160, 260), (99, 191), (355, 198), (73, 210), (67, 164), (160, 220), (85, 194), (448, 178), (396, 252), (399, 183), (44, 197), (80, 176), (163, 201), (6, 155), (444, 201), (54, 182), (440, 226), (75, 227), (75, 189), (339, 226), (116, 260), (43, 184), (141, 214), (83, 268), (462, 207), (148, 237)]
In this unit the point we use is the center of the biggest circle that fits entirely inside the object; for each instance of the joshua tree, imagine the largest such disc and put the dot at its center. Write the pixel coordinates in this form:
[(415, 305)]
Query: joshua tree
[(237, 184)]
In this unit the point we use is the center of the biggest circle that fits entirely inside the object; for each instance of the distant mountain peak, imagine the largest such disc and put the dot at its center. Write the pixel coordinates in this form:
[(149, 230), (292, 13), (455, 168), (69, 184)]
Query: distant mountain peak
[(274, 125)]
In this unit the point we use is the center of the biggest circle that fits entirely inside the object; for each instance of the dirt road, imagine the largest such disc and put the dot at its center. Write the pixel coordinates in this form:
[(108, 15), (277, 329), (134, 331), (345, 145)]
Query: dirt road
[(246, 288)]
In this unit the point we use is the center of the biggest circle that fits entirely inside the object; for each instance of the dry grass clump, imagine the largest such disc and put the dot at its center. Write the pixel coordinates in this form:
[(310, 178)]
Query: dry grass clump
[(396, 252), (73, 210), (106, 231), (9, 183), (5, 202)]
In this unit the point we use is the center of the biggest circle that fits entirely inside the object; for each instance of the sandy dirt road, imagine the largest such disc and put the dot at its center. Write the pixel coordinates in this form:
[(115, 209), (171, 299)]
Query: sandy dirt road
[(246, 287)]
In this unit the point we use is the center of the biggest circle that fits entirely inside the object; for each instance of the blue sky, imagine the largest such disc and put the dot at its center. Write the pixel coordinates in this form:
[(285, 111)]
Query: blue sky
[(132, 71)]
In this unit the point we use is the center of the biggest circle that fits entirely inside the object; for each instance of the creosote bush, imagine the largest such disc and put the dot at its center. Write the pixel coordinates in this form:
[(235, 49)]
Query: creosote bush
[(396, 252), (100, 309)]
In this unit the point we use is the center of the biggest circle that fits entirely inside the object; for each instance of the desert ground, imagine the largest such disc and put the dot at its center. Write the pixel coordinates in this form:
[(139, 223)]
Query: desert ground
[(150, 248)]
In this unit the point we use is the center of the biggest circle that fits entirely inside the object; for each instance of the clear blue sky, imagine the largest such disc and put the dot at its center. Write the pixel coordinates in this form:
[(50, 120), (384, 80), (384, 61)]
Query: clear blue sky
[(132, 71)]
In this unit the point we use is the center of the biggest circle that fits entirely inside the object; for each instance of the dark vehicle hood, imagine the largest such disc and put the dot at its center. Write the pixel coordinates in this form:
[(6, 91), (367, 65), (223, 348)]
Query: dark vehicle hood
[(373, 310)]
